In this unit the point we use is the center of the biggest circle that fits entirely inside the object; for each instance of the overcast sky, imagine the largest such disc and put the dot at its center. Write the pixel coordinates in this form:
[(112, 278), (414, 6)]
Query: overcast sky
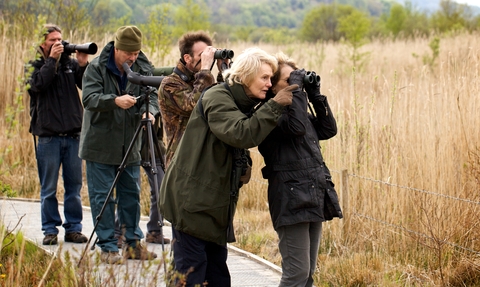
[(469, 2)]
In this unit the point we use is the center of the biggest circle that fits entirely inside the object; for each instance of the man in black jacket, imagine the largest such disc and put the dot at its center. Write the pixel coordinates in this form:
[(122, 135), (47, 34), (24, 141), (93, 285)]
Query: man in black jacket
[(56, 119)]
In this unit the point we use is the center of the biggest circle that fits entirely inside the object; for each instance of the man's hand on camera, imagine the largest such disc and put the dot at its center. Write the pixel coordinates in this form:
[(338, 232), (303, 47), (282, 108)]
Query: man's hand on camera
[(82, 58), (297, 77), (284, 96), (207, 57), (125, 101), (56, 50)]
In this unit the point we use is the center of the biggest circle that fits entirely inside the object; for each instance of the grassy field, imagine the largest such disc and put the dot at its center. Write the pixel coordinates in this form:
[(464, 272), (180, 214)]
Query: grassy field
[(408, 139)]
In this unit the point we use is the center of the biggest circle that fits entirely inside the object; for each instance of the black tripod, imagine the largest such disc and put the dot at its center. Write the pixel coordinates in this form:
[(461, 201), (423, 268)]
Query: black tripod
[(146, 125)]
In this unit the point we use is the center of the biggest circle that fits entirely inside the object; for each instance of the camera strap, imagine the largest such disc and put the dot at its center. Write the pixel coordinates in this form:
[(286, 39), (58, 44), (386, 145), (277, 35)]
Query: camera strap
[(181, 74)]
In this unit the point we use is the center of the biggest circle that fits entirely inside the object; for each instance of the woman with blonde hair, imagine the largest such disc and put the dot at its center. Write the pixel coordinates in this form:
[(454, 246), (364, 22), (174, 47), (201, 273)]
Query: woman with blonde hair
[(195, 195)]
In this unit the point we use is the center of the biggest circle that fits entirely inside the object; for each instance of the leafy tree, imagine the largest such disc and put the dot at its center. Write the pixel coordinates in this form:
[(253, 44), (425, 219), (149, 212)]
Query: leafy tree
[(281, 35), (371, 7), (21, 14), (243, 32), (435, 47), (158, 34), (114, 23), (403, 21), (450, 17), (430, 60), (416, 22), (355, 28), (104, 15), (396, 20), (257, 35), (70, 15), (320, 24), (190, 16)]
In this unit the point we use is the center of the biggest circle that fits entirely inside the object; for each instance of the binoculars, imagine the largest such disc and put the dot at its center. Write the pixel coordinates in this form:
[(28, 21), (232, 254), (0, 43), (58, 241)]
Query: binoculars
[(311, 78), (223, 54)]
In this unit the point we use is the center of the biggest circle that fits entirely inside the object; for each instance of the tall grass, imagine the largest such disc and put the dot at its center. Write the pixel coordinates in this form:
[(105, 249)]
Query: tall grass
[(408, 137), (401, 123), (22, 263)]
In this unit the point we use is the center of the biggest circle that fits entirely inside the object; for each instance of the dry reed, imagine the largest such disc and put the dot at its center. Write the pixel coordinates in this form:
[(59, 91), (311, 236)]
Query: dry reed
[(408, 138)]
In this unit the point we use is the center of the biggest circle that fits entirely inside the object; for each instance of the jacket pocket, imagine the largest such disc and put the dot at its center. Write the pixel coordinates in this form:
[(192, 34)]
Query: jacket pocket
[(302, 193), (213, 205)]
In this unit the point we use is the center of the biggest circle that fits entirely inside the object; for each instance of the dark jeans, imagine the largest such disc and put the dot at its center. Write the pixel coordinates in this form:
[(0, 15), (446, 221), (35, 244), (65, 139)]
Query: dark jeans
[(53, 152), (100, 178), (207, 259), (155, 221)]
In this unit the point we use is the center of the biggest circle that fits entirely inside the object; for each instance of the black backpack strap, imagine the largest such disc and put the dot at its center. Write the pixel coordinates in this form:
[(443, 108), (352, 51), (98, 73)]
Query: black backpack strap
[(199, 103)]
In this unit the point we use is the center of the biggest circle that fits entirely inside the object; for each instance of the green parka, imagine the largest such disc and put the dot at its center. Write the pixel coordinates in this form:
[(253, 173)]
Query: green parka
[(195, 192), (107, 129)]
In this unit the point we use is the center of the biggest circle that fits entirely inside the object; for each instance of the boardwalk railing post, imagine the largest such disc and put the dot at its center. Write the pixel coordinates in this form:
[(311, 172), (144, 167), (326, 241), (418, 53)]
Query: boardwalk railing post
[(344, 193)]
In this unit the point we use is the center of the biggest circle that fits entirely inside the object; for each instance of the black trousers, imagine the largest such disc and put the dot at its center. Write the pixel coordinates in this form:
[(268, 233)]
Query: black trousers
[(200, 260)]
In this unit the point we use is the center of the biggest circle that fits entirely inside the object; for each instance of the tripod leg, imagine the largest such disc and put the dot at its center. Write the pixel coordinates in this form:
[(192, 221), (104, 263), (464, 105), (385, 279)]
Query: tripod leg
[(93, 245), (155, 172), (155, 178), (110, 191)]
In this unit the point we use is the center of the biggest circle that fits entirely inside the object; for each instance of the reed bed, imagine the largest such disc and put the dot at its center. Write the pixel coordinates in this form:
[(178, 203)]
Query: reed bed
[(408, 134)]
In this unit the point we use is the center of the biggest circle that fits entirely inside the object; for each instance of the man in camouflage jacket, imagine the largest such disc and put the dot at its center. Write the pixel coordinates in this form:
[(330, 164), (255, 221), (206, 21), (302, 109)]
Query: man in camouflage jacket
[(179, 92)]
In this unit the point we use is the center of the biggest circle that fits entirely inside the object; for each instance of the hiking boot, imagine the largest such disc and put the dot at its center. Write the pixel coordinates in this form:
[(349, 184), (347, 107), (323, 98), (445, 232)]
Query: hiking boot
[(75, 237), (50, 239), (156, 237), (111, 257), (140, 252), (120, 241)]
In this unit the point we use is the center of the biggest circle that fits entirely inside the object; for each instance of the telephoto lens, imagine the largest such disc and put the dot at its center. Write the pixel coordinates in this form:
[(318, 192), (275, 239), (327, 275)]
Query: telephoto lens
[(223, 54), (87, 48)]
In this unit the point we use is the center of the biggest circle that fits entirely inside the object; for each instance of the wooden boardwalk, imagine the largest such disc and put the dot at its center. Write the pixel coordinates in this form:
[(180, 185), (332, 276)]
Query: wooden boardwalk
[(247, 270)]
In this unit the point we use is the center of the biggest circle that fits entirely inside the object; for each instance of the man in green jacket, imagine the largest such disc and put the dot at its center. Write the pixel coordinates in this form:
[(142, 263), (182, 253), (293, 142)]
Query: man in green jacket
[(195, 192), (112, 114)]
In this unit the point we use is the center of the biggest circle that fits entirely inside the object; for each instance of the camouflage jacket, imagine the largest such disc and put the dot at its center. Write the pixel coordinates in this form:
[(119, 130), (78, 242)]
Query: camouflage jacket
[(177, 98)]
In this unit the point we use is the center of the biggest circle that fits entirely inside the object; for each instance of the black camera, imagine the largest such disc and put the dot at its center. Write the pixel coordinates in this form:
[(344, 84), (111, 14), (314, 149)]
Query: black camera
[(223, 54), (87, 48), (311, 78)]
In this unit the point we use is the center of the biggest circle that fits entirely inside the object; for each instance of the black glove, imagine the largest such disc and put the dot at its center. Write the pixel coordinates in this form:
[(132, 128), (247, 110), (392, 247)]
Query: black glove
[(296, 77), (313, 89)]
